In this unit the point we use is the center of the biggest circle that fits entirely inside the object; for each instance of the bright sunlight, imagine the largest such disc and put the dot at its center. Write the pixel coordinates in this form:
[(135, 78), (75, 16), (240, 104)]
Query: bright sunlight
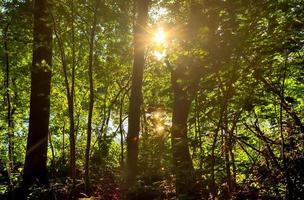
[(159, 55), (160, 36)]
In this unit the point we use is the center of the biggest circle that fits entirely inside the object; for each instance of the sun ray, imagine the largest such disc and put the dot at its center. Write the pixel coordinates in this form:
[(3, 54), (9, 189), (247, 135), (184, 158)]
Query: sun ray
[(160, 36)]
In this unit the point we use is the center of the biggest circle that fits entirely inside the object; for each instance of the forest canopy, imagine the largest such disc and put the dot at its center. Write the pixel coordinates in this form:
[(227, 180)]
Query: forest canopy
[(151, 99)]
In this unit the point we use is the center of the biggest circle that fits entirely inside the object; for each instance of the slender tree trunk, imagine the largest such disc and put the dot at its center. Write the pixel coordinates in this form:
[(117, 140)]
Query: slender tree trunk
[(70, 98), (216, 132), (197, 136), (199, 131), (136, 94), (121, 132), (231, 145), (225, 133), (91, 100), (72, 137), (290, 185), (227, 163), (233, 181), (53, 154), (63, 144), (36, 153), (213, 185), (10, 132)]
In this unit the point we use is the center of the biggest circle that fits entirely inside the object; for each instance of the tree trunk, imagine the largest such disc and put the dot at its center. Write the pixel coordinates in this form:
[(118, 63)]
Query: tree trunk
[(227, 163), (231, 153), (52, 170), (36, 153), (10, 132), (72, 136), (181, 157), (231, 145), (121, 132), (91, 103), (226, 144), (289, 182), (70, 98), (184, 87), (136, 94), (63, 144), (216, 132)]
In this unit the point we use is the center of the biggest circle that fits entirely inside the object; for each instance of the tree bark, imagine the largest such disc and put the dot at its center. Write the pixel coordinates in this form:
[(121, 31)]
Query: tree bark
[(213, 188), (121, 132), (9, 116), (136, 93), (63, 144), (52, 170), (91, 100), (227, 163), (184, 82), (181, 156), (226, 144), (70, 97), (36, 153)]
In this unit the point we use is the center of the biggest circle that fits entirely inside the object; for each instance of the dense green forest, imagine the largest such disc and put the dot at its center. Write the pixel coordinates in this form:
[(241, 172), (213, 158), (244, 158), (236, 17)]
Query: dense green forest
[(152, 99)]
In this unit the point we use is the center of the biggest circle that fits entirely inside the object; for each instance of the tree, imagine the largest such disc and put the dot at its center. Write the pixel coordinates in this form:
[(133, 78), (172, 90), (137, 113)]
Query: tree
[(184, 86), (91, 100), (70, 90), (10, 110), (185, 78), (136, 93), (35, 168)]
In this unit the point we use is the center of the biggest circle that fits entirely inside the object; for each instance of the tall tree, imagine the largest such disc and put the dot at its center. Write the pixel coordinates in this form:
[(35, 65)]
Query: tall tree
[(9, 116), (185, 78), (91, 100), (36, 153), (184, 86), (70, 89), (136, 93)]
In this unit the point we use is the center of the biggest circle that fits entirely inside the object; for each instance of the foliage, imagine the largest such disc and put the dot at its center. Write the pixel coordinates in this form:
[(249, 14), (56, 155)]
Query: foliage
[(245, 127)]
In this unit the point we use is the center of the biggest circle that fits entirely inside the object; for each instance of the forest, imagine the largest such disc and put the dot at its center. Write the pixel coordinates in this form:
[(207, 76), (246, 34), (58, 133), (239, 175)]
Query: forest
[(152, 99)]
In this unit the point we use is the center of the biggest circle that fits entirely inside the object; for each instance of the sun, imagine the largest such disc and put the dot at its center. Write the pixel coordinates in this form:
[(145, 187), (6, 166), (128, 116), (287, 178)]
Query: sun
[(160, 36), (159, 39)]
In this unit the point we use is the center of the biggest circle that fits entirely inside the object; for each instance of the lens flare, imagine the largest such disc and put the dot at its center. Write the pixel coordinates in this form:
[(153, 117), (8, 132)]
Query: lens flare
[(160, 36), (159, 55)]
